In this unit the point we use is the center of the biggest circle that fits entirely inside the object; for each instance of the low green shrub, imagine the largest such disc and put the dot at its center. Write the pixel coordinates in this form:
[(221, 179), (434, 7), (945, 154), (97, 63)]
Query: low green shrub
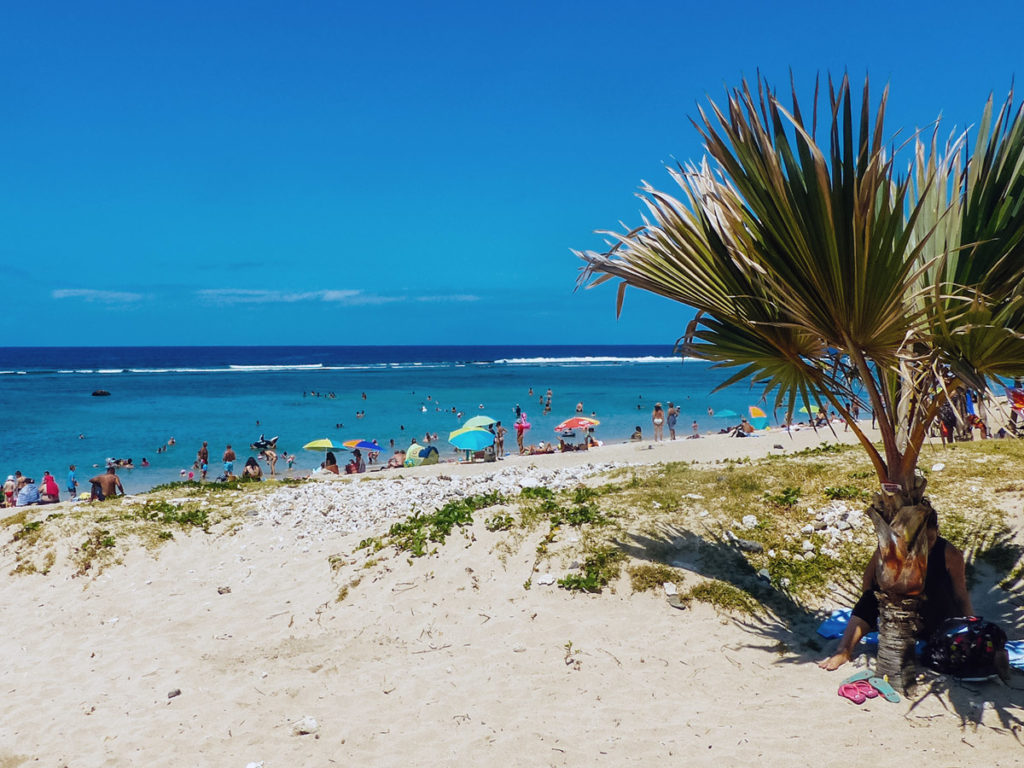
[(414, 534), (600, 567), (651, 576)]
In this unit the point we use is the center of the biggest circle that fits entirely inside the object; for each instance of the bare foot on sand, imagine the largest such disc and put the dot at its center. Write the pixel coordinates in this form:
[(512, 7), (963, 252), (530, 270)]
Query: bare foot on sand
[(834, 662)]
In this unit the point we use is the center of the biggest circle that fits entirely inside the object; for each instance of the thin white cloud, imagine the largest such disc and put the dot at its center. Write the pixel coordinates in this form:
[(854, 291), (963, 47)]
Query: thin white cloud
[(347, 297), (261, 296), (454, 297), (100, 297), (343, 297)]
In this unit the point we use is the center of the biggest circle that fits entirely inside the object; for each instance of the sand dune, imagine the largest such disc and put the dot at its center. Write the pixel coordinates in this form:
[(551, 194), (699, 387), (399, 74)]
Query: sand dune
[(443, 660)]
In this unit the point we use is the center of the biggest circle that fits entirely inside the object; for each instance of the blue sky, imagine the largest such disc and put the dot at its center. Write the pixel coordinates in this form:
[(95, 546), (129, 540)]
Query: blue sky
[(334, 173)]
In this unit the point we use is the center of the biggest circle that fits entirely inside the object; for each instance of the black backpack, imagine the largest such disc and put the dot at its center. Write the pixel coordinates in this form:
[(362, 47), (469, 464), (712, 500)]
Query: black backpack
[(965, 646)]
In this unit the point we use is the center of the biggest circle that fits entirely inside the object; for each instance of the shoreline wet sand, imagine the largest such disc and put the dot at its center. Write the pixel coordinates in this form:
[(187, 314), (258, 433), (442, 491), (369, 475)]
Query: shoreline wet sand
[(438, 660)]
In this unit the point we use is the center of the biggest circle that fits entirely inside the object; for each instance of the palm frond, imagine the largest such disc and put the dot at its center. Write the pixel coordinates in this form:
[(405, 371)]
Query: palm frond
[(815, 265)]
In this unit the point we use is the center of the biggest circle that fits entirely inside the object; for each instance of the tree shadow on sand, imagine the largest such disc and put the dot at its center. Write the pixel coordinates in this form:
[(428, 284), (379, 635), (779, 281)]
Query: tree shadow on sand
[(783, 621), (786, 623)]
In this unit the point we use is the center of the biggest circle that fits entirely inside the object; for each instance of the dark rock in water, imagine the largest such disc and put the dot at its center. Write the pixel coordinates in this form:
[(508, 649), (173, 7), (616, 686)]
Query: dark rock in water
[(101, 393)]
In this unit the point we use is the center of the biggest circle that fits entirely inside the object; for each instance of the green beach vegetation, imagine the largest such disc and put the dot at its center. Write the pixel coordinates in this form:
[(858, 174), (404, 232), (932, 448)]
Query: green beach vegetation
[(680, 523), (93, 536), (839, 274)]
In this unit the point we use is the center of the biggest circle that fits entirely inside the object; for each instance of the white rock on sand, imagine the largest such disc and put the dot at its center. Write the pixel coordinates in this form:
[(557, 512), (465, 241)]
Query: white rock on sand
[(446, 660), (332, 506)]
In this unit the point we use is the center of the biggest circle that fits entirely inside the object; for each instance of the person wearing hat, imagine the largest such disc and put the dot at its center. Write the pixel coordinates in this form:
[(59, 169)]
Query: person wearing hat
[(658, 421), (9, 488)]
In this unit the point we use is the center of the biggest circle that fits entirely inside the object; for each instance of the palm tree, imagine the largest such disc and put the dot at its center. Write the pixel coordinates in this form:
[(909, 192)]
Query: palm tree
[(823, 274)]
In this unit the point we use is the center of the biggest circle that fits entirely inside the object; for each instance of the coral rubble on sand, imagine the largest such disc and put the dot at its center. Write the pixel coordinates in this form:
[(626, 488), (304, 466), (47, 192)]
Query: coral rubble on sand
[(333, 506)]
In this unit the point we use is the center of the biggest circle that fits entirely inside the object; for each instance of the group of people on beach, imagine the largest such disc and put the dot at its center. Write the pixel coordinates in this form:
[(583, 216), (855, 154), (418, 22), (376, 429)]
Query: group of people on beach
[(22, 491), (662, 418), (356, 465), (265, 449)]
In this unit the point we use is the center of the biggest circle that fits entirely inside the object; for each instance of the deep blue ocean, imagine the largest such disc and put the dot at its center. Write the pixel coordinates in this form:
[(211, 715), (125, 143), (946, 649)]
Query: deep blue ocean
[(218, 394)]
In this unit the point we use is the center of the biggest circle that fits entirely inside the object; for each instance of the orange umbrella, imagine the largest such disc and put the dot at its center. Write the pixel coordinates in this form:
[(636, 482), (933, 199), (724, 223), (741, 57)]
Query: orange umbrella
[(577, 422), (756, 413)]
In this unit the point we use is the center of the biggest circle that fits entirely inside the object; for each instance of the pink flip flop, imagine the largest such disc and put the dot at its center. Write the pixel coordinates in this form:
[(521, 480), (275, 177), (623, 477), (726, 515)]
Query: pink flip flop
[(866, 688), (853, 693)]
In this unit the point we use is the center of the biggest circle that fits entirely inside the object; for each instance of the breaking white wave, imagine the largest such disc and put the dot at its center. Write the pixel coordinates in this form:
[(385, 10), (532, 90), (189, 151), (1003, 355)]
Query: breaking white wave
[(585, 360), (298, 367)]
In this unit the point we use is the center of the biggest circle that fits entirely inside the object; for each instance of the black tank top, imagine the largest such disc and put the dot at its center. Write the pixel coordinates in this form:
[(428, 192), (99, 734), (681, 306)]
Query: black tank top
[(939, 603)]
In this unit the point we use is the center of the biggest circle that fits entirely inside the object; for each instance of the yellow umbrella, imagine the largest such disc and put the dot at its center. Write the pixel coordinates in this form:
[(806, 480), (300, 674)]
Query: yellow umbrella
[(323, 444)]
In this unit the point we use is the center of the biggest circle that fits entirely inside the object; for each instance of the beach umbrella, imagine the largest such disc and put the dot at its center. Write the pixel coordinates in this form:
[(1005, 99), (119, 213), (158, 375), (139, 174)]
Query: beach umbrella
[(726, 414), (471, 439), (814, 409), (323, 444), (362, 445), (758, 418), (480, 421), (577, 422)]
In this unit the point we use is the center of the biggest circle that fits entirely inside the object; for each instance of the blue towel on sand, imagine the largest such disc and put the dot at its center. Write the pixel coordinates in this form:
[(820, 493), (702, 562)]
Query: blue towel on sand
[(835, 625), (1015, 648)]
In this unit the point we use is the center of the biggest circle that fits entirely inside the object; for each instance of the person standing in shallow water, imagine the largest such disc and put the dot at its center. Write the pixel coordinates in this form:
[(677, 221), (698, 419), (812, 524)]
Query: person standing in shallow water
[(671, 417), (521, 426), (499, 439), (72, 482), (229, 461), (269, 455), (658, 422)]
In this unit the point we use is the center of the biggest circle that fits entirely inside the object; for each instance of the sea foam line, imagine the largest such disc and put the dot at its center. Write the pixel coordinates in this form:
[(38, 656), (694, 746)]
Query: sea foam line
[(584, 360)]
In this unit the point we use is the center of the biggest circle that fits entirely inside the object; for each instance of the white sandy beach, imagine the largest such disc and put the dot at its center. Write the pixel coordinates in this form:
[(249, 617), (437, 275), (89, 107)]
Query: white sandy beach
[(443, 660)]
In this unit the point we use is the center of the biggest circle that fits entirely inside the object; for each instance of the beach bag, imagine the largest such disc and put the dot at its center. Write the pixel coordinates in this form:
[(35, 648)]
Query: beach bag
[(965, 646)]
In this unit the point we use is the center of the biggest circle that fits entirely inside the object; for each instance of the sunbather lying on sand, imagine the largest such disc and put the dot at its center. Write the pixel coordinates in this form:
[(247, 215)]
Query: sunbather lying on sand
[(541, 447)]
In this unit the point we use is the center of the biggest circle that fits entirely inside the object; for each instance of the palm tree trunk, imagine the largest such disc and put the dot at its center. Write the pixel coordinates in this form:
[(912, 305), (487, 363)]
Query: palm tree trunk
[(898, 624), (900, 575)]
